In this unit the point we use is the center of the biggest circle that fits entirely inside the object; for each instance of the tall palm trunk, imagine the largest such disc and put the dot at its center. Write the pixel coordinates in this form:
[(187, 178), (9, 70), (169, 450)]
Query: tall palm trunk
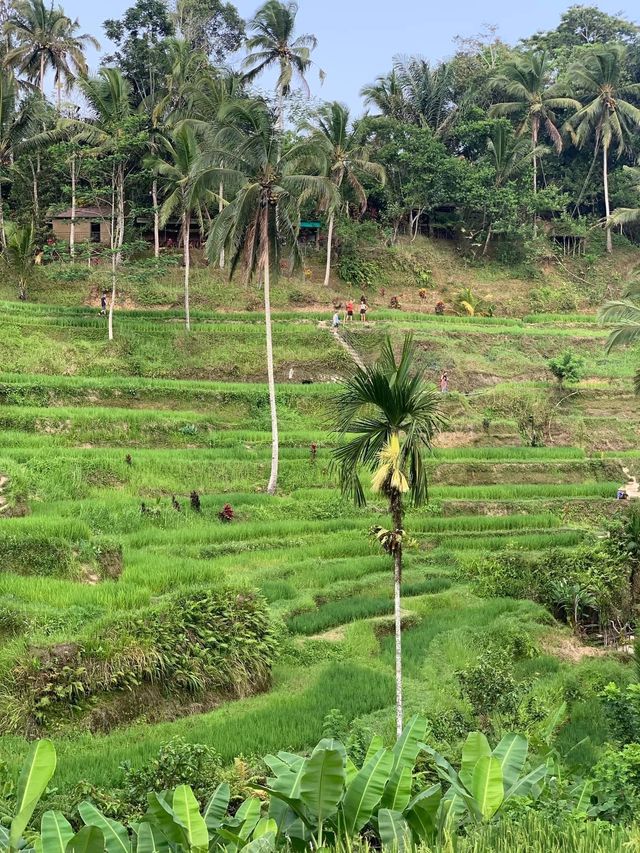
[(3, 233), (186, 237), (156, 219), (41, 73), (72, 226), (117, 234), (397, 513), (36, 195), (605, 180), (534, 142), (273, 479), (327, 271), (220, 208)]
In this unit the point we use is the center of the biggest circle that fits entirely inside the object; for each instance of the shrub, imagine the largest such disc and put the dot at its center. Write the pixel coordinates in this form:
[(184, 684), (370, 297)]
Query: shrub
[(616, 778), (567, 367), (490, 685), (206, 641)]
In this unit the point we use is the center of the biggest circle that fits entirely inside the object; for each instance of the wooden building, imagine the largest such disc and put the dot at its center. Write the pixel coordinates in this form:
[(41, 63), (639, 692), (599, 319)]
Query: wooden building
[(93, 225)]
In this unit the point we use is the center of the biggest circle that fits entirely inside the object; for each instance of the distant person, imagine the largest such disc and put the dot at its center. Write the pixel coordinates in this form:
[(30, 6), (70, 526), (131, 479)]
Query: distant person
[(335, 323), (363, 309), (103, 303), (444, 382), (622, 495), (348, 315)]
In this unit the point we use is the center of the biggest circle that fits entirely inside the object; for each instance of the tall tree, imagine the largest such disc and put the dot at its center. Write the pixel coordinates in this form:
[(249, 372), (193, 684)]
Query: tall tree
[(273, 43), (18, 125), (212, 27), (114, 132), (388, 415), (141, 55), (263, 218), (47, 40), (347, 159), (184, 185), (533, 101), (19, 255), (606, 119), (386, 95)]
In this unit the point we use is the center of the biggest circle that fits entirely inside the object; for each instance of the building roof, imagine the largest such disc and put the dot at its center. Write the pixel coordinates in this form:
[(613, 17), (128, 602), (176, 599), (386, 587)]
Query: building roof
[(83, 213)]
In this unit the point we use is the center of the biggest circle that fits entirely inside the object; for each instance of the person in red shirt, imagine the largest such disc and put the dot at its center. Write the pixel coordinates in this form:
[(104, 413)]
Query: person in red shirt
[(348, 318)]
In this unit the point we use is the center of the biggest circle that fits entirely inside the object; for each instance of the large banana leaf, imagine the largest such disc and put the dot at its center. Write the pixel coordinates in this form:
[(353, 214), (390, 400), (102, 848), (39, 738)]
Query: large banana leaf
[(394, 831), (248, 815), (397, 792), (150, 840), (265, 826), (487, 785), (263, 844), (374, 747), (187, 812), (408, 744), (161, 814), (475, 747), (89, 840), (217, 806), (55, 832), (322, 783), (116, 837), (512, 754), (35, 775), (525, 786), (421, 813), (365, 791)]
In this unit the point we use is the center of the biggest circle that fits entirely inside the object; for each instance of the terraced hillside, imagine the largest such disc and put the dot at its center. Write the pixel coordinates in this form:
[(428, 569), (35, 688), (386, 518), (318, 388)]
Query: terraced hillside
[(118, 461)]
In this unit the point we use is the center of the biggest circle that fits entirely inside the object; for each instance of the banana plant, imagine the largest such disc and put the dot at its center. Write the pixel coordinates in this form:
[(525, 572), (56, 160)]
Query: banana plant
[(487, 779), (36, 773), (325, 798)]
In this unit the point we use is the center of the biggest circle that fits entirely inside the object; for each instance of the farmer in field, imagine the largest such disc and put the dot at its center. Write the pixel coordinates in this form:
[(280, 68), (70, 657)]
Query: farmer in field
[(363, 309), (444, 382), (335, 323), (103, 303)]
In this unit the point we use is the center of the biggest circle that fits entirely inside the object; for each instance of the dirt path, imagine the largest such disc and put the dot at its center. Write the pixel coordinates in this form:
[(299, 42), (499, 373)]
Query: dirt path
[(632, 487), (345, 345)]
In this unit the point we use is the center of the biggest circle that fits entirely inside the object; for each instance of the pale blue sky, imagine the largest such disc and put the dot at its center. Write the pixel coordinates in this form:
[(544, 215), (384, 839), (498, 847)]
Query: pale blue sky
[(358, 38)]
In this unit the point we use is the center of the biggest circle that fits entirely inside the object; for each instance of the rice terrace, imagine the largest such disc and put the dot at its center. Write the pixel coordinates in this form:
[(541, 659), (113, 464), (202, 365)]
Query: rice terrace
[(319, 431)]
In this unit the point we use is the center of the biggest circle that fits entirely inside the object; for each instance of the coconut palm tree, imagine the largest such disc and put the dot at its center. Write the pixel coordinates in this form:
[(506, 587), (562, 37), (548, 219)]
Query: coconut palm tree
[(262, 219), (606, 119), (525, 80), (625, 314), (386, 95), (183, 183), (108, 96), (274, 43), (347, 159), (628, 215), (388, 415), (47, 40)]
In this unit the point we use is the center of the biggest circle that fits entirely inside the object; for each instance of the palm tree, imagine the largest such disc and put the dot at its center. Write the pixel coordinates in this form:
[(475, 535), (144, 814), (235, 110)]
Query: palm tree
[(184, 185), (386, 94), (388, 415), (606, 117), (347, 159), (525, 80), (264, 215), (625, 313), (109, 98), (18, 125), (47, 40), (19, 255), (273, 43), (509, 155)]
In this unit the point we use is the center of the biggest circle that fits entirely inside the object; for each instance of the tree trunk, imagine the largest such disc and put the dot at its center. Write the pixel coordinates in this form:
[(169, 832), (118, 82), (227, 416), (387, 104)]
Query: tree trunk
[(42, 73), (186, 236), (220, 209), (397, 513), (327, 271), (156, 219), (72, 226), (120, 215), (3, 233), (605, 179), (273, 479), (280, 121), (534, 142), (36, 197)]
